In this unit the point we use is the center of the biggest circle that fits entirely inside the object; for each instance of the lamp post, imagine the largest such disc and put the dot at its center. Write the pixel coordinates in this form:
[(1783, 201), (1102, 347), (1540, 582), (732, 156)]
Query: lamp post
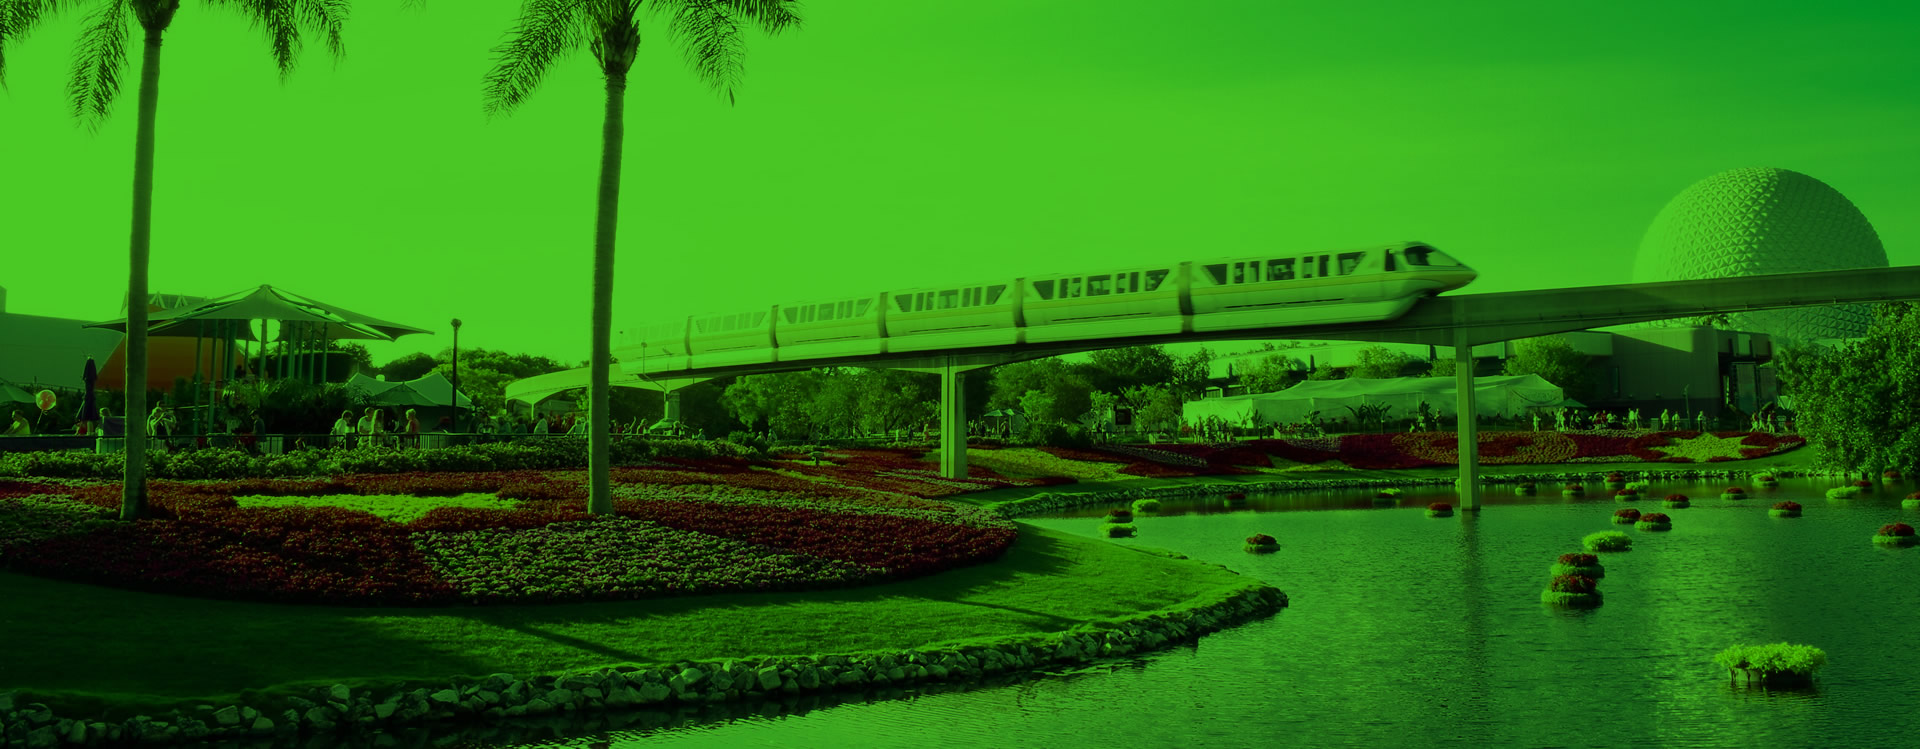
[(455, 397)]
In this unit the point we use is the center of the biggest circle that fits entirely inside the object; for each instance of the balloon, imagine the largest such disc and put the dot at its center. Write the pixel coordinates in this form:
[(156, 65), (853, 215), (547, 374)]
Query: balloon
[(44, 399)]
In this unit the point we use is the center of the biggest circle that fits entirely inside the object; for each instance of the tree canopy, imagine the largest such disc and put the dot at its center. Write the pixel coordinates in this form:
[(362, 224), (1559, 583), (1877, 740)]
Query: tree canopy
[(1858, 405)]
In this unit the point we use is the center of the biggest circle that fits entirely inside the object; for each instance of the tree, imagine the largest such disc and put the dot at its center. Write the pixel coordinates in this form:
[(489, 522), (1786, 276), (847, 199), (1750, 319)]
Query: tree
[(1442, 367), (710, 34), (1115, 370), (1554, 360), (1270, 373), (1859, 405), (99, 60), (1379, 363), (1156, 408), (1190, 375), (411, 366)]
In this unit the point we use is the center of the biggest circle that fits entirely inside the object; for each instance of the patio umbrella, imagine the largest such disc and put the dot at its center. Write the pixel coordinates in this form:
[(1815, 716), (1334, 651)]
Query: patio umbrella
[(89, 409)]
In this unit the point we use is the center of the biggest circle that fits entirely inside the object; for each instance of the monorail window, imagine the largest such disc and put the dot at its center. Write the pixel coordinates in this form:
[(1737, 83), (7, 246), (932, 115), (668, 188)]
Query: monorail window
[(793, 315), (1239, 274), (926, 301), (949, 299), (1099, 285), (1280, 270), (1133, 281), (1323, 266), (994, 292), (823, 312), (1073, 288), (1306, 267), (1417, 255), (860, 308), (1219, 273), (1389, 259), (1154, 277), (1350, 261), (842, 310), (1044, 287), (905, 303)]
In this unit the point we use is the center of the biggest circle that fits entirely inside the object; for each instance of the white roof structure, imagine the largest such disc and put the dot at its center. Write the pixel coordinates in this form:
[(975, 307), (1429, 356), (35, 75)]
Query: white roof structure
[(1504, 396)]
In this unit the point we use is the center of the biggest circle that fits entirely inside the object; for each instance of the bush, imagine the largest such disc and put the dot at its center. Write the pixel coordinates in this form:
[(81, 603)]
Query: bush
[(1626, 516), (1055, 434), (1843, 492), (1677, 500), (1586, 565), (1571, 590), (1912, 501), (1779, 664), (1572, 584), (1626, 495), (1764, 479), (1785, 510), (1863, 484), (1896, 529), (1733, 492), (1639, 485), (1146, 505), (1118, 531), (1654, 521), (1607, 541), (748, 440), (1439, 510), (1119, 515), (1615, 477)]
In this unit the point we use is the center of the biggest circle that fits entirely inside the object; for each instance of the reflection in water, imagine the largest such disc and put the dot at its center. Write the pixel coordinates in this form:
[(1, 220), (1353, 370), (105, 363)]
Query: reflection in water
[(1413, 631)]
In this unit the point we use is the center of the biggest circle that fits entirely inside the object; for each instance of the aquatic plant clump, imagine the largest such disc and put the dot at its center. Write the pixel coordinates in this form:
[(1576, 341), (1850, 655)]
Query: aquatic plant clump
[(1654, 521), (1843, 492), (1896, 534), (1387, 494), (1765, 481), (1863, 483), (1236, 495), (1627, 516), (1122, 530), (1261, 543), (1120, 515), (1626, 495), (1571, 590), (1606, 541), (1573, 490), (1144, 506), (1912, 501), (1524, 488), (1439, 510), (1733, 492), (1784, 510), (1777, 665), (1676, 501), (1586, 565)]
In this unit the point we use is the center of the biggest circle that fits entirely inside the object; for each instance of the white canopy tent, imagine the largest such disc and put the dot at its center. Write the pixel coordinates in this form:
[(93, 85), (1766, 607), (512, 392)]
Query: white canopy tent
[(1494, 397)]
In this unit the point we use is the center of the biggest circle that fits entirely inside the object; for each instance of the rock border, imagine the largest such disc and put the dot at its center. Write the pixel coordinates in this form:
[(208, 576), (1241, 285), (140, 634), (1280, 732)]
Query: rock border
[(349, 711), (1053, 501)]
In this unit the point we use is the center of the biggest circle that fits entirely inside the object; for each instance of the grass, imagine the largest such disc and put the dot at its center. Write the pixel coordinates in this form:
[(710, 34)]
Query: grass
[(109, 653), (399, 508), (1607, 541)]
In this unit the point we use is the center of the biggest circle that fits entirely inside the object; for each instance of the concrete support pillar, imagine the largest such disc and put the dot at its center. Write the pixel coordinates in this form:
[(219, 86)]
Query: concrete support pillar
[(673, 406), (1468, 430), (953, 421)]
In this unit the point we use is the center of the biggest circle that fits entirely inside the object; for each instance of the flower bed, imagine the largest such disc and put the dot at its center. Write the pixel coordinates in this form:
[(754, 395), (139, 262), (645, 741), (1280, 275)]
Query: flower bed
[(1439, 510), (1912, 501), (1675, 501), (1896, 534), (1261, 543), (1654, 521), (1733, 492), (1117, 531), (1626, 495), (1606, 541), (1586, 565), (1571, 590), (1627, 516), (1784, 510), (246, 540)]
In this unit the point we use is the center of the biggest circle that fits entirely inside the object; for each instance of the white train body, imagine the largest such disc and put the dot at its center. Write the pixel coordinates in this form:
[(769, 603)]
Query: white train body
[(1379, 283)]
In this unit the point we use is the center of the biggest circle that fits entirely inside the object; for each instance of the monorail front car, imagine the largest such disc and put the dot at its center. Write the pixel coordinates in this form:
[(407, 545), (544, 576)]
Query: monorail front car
[(1372, 284)]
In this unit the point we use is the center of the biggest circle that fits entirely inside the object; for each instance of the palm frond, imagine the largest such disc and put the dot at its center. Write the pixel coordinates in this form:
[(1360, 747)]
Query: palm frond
[(709, 31), (98, 59), (326, 17), (19, 17), (548, 31)]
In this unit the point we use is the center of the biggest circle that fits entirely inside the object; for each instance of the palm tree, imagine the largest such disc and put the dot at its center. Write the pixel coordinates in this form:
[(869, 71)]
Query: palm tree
[(98, 60), (710, 33)]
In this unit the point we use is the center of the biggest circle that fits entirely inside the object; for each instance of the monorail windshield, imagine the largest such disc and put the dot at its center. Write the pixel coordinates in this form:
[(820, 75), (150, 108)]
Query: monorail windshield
[(1417, 255)]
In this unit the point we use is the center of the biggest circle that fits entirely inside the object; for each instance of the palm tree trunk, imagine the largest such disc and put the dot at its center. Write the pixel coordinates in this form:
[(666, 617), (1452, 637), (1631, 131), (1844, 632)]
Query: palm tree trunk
[(133, 492), (600, 413)]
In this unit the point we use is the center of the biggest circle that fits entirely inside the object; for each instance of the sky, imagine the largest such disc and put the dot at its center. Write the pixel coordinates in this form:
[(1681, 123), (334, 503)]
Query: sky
[(888, 144)]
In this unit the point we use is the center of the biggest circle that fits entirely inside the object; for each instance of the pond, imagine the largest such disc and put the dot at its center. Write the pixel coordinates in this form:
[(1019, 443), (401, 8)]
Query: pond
[(1406, 630)]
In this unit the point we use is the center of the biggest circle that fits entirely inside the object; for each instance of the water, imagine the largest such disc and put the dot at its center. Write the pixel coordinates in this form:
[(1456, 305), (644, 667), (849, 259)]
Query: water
[(1406, 630)]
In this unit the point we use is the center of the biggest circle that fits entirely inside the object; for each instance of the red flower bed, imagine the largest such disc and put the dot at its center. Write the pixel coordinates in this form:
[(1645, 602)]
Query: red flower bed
[(1580, 560), (14, 489), (1376, 451), (1655, 517), (1786, 505), (1629, 513), (1261, 539), (1289, 451), (1572, 584), (1088, 456), (1896, 529), (905, 546), (1677, 498), (1733, 490)]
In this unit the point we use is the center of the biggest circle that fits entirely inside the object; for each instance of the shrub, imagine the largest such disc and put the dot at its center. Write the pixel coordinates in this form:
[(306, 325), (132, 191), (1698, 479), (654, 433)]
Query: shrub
[(1439, 510), (1896, 534), (1784, 510), (1896, 529), (1639, 485), (1626, 495), (1571, 590), (1119, 515), (1607, 541), (1733, 492), (1843, 492), (1586, 565), (1863, 484), (1572, 584), (1118, 531), (749, 440), (1779, 664), (1261, 539), (1677, 500), (1146, 505), (1765, 479), (1055, 434), (1912, 502), (1626, 516), (1616, 476), (1654, 521)]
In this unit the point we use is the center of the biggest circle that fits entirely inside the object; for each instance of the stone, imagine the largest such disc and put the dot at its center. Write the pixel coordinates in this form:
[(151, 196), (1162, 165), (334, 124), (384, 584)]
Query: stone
[(489, 696), (247, 714), (938, 671), (622, 696), (6, 702), (319, 717), (301, 703), (75, 733), (692, 676), (651, 693), (721, 681), (562, 697), (849, 677), (516, 711), (516, 692), (383, 710), (896, 673), (194, 729), (769, 678), (37, 714), (576, 682), (444, 698), (808, 678), (43, 737), (539, 706), (227, 716), (339, 693), (593, 694)]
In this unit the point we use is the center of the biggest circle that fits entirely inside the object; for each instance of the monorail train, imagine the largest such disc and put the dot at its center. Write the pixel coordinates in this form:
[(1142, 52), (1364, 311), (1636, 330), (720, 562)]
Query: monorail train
[(1379, 283)]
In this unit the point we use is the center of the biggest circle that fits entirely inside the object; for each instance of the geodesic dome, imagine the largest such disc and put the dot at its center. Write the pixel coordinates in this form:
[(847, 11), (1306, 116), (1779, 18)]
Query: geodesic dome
[(1756, 221)]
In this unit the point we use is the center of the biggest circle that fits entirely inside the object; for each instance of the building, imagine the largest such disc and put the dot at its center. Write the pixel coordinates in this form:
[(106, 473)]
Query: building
[(38, 352)]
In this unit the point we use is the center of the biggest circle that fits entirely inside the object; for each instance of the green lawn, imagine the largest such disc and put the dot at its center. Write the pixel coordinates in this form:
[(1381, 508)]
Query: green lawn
[(102, 651)]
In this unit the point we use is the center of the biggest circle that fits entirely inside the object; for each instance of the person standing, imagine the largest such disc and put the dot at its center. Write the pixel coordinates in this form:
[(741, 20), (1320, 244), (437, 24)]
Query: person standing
[(20, 426), (412, 429), (342, 430), (368, 429), (540, 426), (1536, 421)]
